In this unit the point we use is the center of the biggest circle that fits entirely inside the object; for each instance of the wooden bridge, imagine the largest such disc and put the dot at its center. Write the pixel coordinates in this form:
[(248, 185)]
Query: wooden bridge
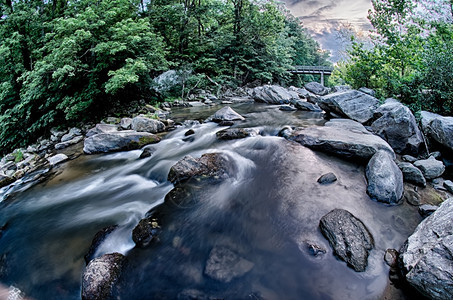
[(321, 70)]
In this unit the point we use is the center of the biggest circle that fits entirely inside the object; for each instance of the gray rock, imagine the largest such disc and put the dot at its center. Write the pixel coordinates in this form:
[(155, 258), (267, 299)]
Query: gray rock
[(349, 238), (273, 94), (316, 88), (367, 91), (303, 93), (352, 104), (225, 114), (426, 118), (431, 167), (436, 154), (71, 134), (236, 133), (147, 152), (189, 132), (385, 180), (126, 123), (327, 178), (314, 249), (396, 124), (5, 180), (225, 265), (412, 174), (195, 104), (100, 276), (426, 257), (345, 138), (441, 130), (97, 241), (409, 158), (143, 124), (391, 257), (66, 144), (412, 197), (146, 231), (340, 88), (213, 166), (118, 141), (287, 108), (57, 159), (448, 184), (102, 128), (306, 106), (426, 210)]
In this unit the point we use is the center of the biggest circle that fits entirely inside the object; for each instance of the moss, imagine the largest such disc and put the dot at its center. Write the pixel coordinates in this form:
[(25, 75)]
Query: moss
[(145, 140)]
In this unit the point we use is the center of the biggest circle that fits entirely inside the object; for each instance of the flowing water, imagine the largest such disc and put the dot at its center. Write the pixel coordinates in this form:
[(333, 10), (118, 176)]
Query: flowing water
[(267, 212)]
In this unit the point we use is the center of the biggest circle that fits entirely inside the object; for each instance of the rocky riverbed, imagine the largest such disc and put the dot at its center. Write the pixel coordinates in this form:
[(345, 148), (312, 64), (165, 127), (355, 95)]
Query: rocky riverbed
[(224, 204)]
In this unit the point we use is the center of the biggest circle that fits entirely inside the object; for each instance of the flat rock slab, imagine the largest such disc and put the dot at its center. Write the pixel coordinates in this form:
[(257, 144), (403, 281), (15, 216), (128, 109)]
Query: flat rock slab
[(66, 144), (100, 276), (342, 137), (352, 104), (427, 258), (225, 265), (118, 141), (213, 166), (385, 179), (349, 238), (57, 159)]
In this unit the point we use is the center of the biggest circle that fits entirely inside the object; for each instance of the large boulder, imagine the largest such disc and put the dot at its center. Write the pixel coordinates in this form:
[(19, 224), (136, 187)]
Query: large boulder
[(316, 88), (305, 105), (100, 276), (225, 265), (385, 180), (425, 119), (431, 167), (225, 114), (118, 141), (342, 137), (349, 238), (273, 94), (426, 257), (352, 104), (143, 124), (412, 174), (213, 166), (102, 128), (396, 124), (441, 130)]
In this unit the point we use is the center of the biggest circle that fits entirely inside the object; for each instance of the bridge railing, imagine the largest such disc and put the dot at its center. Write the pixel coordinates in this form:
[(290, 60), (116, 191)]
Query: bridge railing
[(314, 69)]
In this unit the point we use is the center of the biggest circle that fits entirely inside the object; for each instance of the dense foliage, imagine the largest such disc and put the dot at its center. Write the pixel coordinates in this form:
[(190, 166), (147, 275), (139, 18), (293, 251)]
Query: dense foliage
[(65, 61), (411, 58)]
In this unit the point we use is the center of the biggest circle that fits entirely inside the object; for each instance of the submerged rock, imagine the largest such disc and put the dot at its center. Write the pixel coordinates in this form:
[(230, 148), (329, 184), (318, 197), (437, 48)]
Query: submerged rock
[(327, 178), (213, 166), (412, 174), (396, 124), (349, 238), (146, 231), (147, 152), (342, 137), (316, 88), (225, 114), (225, 265), (236, 133), (97, 241), (118, 141), (100, 276), (431, 167), (426, 257), (385, 180), (352, 104)]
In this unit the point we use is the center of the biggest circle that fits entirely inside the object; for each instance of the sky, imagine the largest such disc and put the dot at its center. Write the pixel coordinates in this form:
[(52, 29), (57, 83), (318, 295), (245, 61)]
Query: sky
[(326, 18)]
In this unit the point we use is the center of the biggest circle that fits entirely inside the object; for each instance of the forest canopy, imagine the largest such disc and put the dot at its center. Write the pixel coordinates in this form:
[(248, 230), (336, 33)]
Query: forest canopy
[(63, 62)]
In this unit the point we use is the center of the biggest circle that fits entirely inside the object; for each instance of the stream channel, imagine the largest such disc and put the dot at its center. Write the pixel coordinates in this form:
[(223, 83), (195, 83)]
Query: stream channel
[(268, 213)]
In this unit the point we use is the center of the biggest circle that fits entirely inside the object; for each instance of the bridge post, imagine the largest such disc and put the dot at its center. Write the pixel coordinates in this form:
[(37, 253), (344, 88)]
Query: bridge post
[(322, 78)]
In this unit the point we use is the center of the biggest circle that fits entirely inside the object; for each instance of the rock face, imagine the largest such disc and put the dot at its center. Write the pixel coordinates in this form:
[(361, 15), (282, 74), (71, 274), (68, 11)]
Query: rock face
[(431, 167), (341, 137), (100, 276), (349, 238), (352, 104), (426, 257), (441, 130), (213, 166), (273, 94), (143, 124), (118, 141), (225, 114), (225, 265), (236, 133), (385, 180), (316, 88), (396, 124), (412, 174)]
